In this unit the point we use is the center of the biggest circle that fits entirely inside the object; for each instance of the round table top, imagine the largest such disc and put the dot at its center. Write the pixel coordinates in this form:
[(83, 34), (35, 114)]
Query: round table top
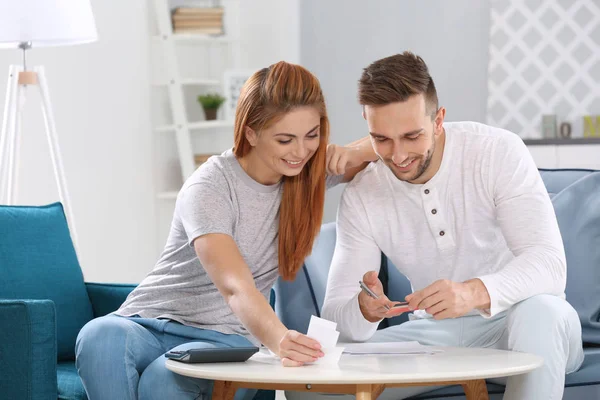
[(453, 364)]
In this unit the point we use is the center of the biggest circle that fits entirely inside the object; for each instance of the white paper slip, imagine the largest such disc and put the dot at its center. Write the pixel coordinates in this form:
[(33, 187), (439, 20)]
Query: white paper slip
[(389, 348), (326, 338), (323, 331), (322, 323)]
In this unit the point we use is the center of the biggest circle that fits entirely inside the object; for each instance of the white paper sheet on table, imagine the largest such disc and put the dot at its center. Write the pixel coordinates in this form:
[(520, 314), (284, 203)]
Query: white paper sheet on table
[(389, 348)]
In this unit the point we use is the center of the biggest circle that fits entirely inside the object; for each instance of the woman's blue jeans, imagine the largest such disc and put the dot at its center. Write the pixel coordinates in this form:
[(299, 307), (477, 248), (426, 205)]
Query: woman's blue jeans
[(123, 358)]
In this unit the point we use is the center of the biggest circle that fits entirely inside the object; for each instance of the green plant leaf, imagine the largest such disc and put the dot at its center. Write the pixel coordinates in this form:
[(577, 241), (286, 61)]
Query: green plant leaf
[(211, 100)]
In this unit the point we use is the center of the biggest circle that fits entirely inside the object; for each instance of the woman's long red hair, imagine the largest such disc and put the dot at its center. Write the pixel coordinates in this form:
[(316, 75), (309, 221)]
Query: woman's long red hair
[(265, 98)]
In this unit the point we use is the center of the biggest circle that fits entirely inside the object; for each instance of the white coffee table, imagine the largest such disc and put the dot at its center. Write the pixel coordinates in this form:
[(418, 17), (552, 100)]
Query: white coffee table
[(366, 376)]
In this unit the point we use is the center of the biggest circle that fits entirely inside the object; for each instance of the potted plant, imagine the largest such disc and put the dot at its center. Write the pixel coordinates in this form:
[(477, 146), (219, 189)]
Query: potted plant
[(210, 103)]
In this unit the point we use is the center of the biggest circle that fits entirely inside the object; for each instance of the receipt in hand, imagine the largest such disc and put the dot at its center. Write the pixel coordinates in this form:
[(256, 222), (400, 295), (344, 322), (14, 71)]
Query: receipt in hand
[(325, 333)]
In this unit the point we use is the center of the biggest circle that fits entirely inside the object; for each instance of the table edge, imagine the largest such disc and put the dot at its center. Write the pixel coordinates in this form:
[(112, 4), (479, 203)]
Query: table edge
[(187, 370)]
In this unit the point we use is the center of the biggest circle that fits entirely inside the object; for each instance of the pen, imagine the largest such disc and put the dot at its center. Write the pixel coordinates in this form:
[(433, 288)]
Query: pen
[(373, 295), (370, 293)]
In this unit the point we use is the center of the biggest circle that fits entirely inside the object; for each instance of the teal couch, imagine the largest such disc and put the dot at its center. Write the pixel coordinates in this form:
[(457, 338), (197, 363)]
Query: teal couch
[(44, 302), (29, 369), (575, 195)]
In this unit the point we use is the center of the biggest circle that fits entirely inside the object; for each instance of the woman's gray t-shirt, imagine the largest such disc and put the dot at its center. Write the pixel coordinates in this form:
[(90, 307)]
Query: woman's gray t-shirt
[(219, 197)]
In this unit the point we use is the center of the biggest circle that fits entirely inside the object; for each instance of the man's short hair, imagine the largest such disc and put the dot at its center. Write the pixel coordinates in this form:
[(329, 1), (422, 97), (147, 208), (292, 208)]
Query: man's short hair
[(395, 79)]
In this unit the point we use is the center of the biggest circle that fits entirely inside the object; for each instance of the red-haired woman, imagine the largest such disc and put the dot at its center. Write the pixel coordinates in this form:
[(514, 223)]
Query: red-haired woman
[(241, 220)]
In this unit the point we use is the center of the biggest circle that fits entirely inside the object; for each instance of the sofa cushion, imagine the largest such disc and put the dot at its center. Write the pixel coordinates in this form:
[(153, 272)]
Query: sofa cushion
[(397, 288), (556, 180), (577, 210), (318, 263), (70, 386), (38, 261), (589, 373), (296, 301), (107, 297), (27, 349)]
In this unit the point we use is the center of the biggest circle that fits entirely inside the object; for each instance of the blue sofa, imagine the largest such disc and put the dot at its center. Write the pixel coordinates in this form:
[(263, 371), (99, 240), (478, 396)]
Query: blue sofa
[(44, 300), (576, 198)]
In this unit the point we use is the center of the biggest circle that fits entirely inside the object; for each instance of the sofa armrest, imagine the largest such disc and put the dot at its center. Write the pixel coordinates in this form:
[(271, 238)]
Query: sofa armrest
[(28, 349), (107, 297)]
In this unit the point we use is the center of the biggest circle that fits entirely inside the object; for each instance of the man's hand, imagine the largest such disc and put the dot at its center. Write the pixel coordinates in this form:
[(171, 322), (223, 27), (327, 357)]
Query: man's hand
[(295, 349), (448, 299), (375, 310), (342, 158)]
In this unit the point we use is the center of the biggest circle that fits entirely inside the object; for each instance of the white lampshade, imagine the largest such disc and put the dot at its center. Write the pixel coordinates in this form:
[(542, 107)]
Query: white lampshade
[(46, 22)]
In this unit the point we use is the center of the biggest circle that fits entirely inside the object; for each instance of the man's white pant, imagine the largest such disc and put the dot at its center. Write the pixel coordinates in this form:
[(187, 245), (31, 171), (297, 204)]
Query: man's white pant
[(544, 325)]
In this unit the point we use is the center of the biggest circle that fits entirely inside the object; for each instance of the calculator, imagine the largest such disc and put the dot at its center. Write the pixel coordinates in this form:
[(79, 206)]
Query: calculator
[(213, 354)]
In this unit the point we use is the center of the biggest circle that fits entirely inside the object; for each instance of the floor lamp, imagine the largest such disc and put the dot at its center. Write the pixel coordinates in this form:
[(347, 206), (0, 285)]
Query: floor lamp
[(26, 24)]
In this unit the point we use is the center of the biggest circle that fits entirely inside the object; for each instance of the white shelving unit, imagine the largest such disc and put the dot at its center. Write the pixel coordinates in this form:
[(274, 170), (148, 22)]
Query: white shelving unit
[(196, 126), (193, 82), (179, 86)]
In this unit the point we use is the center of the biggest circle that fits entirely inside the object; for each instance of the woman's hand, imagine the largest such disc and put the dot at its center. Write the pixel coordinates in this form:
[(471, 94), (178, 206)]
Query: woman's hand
[(350, 159), (342, 158), (295, 349)]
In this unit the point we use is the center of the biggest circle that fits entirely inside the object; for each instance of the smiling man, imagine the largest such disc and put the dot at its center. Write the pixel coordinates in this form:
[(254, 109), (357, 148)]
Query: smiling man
[(462, 211)]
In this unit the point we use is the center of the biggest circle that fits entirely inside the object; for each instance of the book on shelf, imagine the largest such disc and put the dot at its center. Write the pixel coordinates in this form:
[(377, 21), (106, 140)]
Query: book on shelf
[(201, 20), (204, 31), (197, 18), (192, 24), (198, 11)]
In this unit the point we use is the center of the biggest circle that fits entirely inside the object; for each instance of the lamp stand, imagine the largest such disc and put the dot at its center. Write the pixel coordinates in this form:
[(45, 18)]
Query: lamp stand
[(18, 80)]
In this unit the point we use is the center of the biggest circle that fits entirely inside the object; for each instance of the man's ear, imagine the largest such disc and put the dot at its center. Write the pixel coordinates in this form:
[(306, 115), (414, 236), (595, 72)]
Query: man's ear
[(251, 136), (439, 120), (363, 113)]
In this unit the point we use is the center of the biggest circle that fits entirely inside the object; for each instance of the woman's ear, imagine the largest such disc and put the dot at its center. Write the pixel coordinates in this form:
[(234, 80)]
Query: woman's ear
[(251, 136)]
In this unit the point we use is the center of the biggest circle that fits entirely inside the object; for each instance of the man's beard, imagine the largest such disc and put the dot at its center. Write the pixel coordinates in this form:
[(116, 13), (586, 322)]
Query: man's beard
[(421, 168)]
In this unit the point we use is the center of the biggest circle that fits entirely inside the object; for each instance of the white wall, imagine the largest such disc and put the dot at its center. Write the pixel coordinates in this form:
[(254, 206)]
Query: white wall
[(101, 96), (269, 32), (340, 37)]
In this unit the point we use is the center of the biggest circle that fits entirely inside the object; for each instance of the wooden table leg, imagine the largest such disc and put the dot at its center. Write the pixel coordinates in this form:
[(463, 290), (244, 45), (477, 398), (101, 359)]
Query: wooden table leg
[(368, 392), (376, 390), (223, 390), (475, 390), (363, 392)]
